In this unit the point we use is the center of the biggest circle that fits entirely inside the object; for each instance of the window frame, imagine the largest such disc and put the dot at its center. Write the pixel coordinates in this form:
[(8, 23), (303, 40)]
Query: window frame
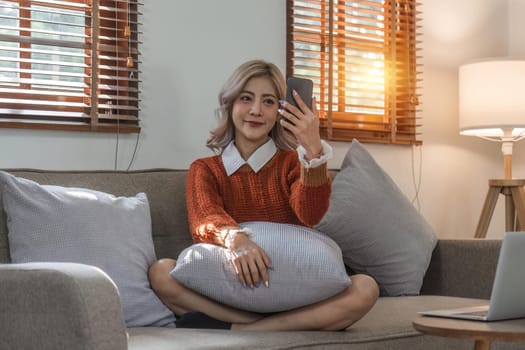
[(398, 123), (109, 100)]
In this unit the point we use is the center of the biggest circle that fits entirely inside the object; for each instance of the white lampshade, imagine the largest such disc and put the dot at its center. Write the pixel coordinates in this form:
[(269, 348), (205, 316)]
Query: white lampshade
[(492, 99)]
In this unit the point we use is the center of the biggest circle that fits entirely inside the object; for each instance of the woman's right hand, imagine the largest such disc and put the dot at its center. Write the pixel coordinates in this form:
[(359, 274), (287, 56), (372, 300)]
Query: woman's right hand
[(250, 261)]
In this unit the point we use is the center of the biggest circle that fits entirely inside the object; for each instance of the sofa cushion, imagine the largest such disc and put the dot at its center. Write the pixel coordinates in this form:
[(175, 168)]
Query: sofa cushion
[(306, 267), (61, 224), (379, 231), (388, 326)]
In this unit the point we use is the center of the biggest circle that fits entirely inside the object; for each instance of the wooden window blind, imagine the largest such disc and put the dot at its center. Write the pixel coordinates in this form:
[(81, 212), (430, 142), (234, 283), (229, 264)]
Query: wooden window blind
[(361, 56), (70, 65)]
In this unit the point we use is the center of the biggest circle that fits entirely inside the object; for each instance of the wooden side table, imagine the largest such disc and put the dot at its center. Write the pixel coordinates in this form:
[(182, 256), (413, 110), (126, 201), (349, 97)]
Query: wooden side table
[(483, 333), (514, 201)]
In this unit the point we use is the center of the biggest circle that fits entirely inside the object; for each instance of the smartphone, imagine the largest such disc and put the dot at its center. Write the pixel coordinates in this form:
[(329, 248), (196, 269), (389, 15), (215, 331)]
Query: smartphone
[(304, 88)]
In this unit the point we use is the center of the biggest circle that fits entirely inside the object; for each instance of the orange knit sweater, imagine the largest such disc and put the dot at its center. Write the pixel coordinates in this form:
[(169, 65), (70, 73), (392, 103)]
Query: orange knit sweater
[(282, 191)]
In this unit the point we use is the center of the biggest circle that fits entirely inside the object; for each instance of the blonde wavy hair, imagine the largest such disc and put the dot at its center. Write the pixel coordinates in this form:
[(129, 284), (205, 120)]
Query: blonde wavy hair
[(222, 135)]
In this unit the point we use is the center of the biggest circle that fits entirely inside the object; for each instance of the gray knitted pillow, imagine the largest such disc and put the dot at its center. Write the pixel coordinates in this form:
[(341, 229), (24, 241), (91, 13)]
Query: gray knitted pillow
[(379, 231), (59, 224), (307, 268)]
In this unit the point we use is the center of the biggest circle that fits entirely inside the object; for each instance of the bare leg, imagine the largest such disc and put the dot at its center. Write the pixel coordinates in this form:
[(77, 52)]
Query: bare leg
[(182, 300), (335, 313)]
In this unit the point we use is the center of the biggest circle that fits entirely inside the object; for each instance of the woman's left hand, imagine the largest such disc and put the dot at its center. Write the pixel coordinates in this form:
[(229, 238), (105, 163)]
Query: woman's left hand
[(303, 122)]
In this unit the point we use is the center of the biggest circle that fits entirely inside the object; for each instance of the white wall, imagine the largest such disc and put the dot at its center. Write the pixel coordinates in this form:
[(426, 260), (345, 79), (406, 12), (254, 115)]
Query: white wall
[(189, 52), (516, 28)]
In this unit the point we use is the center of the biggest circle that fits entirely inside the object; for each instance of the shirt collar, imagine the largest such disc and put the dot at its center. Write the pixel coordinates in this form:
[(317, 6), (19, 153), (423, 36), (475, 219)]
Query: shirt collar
[(232, 159)]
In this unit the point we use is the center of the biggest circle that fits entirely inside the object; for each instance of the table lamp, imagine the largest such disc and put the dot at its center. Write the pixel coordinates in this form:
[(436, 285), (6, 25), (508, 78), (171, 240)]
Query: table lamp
[(492, 106)]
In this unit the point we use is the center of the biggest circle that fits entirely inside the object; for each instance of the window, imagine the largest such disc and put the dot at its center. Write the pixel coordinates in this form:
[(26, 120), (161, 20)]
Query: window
[(69, 65), (361, 56)]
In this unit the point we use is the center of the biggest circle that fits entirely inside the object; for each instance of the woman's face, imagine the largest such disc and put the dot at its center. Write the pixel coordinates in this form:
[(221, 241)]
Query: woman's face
[(254, 114)]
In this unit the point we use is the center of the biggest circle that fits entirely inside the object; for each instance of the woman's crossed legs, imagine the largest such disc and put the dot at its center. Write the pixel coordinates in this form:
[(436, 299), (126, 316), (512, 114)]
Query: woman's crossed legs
[(335, 313)]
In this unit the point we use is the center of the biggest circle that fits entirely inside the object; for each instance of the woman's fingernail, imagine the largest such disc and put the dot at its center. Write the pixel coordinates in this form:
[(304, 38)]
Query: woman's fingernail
[(267, 284), (281, 102), (244, 285), (280, 111), (294, 92)]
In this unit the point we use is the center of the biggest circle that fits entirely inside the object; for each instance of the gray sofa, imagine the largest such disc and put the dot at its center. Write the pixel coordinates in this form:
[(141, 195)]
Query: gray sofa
[(73, 306)]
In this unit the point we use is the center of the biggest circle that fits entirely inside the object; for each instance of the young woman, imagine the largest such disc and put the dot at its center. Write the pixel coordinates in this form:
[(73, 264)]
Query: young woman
[(270, 166)]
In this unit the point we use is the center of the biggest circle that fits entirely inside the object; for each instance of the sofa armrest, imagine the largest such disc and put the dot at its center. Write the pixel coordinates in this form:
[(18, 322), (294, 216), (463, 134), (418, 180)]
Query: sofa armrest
[(462, 268), (59, 306)]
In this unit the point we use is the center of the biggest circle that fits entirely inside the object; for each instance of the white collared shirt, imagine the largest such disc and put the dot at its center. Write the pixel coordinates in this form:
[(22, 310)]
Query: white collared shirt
[(232, 159)]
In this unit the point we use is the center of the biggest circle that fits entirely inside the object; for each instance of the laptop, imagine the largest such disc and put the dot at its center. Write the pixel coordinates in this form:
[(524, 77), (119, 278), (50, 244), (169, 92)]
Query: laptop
[(507, 299)]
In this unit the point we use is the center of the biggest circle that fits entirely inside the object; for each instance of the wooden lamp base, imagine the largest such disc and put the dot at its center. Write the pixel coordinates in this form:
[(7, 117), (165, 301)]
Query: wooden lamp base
[(514, 193)]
